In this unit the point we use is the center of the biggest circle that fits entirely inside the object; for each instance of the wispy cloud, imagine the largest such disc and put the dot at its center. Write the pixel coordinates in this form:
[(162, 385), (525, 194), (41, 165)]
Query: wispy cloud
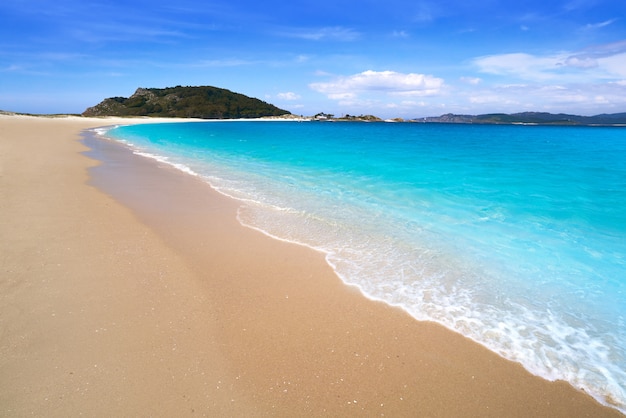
[(598, 63), (288, 96), (99, 33), (35, 63), (471, 80), (592, 80), (522, 65), (582, 98), (334, 33), (387, 82), (614, 65), (226, 62), (12, 68), (604, 50), (582, 62), (400, 34), (574, 5), (302, 58), (600, 24), (425, 12)]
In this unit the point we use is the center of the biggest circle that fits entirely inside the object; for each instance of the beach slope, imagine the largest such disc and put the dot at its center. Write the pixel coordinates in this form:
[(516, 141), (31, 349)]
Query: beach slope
[(128, 288)]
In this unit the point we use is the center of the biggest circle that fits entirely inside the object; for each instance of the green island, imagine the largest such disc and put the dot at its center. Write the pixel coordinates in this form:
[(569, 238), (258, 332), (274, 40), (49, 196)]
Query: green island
[(202, 102)]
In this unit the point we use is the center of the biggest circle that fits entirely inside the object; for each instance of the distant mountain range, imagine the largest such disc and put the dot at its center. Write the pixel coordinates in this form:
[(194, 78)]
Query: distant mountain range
[(203, 102), (530, 118)]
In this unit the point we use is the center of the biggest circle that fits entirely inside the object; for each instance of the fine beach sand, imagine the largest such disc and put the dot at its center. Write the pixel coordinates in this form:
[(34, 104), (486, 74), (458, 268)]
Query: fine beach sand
[(130, 289)]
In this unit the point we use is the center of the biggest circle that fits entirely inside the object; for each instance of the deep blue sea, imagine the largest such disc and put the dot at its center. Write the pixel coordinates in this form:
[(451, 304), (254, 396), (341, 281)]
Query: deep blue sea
[(514, 236)]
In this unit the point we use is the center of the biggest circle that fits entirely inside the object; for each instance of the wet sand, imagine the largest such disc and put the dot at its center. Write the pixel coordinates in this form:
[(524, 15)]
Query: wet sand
[(129, 288)]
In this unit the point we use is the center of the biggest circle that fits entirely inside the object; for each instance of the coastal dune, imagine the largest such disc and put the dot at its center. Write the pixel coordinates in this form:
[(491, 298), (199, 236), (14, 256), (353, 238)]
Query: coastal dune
[(128, 288)]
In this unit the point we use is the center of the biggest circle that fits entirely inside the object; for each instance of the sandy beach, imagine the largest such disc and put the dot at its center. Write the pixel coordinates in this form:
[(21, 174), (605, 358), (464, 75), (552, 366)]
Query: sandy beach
[(129, 289)]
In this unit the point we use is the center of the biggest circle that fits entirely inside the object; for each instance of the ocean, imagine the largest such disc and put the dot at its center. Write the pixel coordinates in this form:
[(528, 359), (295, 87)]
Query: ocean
[(514, 236)]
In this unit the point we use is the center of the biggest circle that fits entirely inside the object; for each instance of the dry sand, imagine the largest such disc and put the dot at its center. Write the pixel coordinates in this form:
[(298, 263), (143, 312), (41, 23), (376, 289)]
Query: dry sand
[(135, 292)]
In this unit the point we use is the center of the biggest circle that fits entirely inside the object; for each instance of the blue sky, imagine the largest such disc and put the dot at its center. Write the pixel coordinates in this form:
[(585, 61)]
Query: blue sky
[(388, 58)]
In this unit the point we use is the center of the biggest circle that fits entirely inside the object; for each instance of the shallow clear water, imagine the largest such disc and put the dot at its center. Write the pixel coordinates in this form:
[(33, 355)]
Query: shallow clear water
[(514, 236)]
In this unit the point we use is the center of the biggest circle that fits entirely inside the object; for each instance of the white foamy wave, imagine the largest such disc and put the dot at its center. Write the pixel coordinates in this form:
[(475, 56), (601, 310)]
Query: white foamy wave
[(101, 131), (182, 167), (104, 130), (543, 343), (434, 286)]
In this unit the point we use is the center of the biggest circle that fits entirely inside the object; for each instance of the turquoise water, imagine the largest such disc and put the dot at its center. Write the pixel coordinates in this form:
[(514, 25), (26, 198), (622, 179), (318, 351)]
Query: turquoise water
[(514, 236)]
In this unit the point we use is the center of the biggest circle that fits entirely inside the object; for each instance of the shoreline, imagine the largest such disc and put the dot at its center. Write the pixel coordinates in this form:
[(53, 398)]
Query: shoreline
[(203, 314)]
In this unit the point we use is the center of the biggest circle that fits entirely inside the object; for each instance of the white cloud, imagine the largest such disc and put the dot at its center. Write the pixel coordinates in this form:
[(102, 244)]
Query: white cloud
[(226, 62), (302, 58), (12, 67), (575, 98), (614, 65), (577, 5), (581, 62), (592, 65), (335, 33), (600, 25), (605, 50), (341, 96), (599, 99), (400, 34), (519, 64), (425, 12), (471, 80), (288, 96), (386, 82)]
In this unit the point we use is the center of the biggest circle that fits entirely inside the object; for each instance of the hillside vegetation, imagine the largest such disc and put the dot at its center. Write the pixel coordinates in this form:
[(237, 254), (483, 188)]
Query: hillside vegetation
[(204, 102)]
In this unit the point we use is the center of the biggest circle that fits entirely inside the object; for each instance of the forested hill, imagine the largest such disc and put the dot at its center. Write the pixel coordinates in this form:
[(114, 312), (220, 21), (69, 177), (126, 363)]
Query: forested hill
[(204, 102)]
